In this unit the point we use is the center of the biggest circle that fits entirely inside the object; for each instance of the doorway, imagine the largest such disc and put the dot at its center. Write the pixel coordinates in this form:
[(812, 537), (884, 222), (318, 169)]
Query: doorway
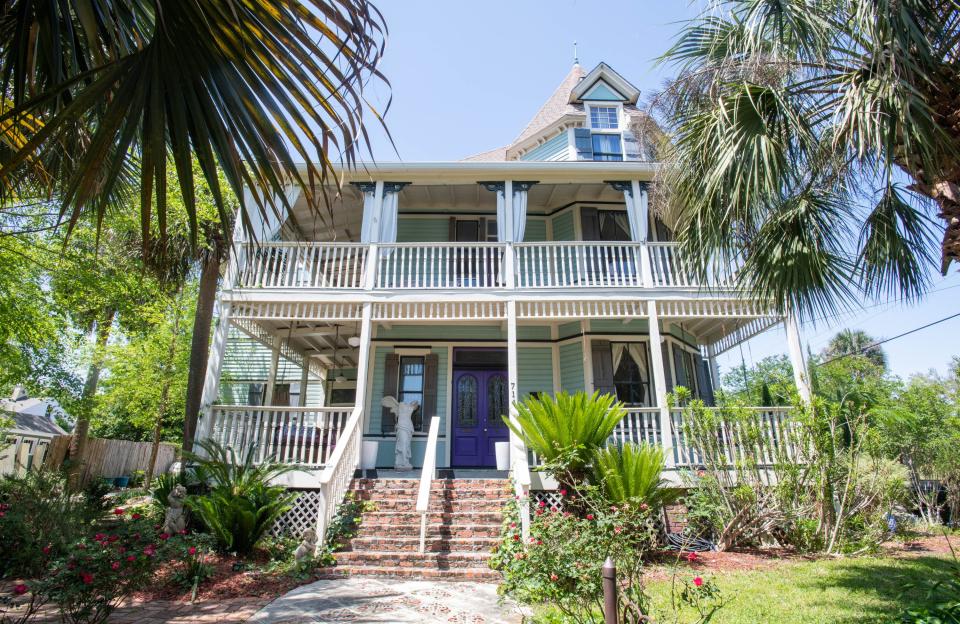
[(480, 399)]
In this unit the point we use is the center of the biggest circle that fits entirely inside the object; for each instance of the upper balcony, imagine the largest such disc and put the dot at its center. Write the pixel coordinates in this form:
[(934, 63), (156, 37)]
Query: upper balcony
[(580, 226)]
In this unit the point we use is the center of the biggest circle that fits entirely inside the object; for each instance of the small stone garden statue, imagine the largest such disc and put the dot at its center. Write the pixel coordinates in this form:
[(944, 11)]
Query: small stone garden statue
[(307, 547), (176, 518), (404, 413)]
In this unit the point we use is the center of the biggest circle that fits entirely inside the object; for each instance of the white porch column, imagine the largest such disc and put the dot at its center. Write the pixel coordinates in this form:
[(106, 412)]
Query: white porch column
[(640, 195), (660, 382), (211, 383), (363, 362), (797, 359), (272, 373), (517, 447), (370, 230), (509, 254), (304, 380)]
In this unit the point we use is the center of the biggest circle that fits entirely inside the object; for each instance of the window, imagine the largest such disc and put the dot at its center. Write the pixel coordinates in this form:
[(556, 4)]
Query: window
[(410, 385), (604, 117), (255, 394), (631, 376), (607, 147), (342, 396)]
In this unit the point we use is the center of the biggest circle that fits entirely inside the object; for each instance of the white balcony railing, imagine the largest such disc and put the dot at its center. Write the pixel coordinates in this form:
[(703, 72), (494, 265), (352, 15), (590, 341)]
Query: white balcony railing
[(640, 425), (287, 435), (440, 265), (303, 265), (771, 441), (432, 266)]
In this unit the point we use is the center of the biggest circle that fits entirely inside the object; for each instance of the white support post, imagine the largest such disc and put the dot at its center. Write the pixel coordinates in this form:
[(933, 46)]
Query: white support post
[(211, 383), (363, 361), (640, 196), (272, 374), (304, 380), (713, 367), (516, 444), (660, 382), (508, 260), (797, 359), (373, 257)]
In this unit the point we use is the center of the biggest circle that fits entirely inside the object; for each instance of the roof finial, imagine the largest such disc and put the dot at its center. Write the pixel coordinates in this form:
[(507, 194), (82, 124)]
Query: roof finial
[(576, 57)]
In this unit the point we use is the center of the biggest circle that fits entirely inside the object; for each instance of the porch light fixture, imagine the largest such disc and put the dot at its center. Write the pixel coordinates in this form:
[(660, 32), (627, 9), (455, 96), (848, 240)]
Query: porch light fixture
[(353, 341)]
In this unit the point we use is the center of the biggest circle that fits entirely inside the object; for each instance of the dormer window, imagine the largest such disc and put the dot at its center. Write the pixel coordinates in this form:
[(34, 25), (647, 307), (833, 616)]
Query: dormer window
[(604, 117), (607, 147)]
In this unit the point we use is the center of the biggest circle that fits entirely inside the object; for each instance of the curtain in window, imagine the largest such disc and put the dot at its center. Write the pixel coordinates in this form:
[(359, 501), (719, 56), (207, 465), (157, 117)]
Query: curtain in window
[(618, 349), (638, 355), (368, 229), (502, 222), (519, 215), (614, 225)]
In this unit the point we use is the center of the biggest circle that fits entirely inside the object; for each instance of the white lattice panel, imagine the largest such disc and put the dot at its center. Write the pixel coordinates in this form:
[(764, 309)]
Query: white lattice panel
[(303, 515)]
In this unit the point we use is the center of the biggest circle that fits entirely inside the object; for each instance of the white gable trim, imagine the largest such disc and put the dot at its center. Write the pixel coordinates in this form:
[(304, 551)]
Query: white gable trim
[(593, 93), (614, 80)]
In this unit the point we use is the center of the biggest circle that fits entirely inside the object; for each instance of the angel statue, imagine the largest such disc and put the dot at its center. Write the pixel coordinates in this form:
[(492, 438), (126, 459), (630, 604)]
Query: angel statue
[(404, 413)]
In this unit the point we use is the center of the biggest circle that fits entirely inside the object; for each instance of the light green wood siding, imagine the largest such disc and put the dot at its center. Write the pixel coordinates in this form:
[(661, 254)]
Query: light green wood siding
[(678, 332), (536, 230), (571, 367), (246, 361), (557, 148), (533, 332), (376, 392), (534, 370), (568, 329), (429, 333), (613, 326), (423, 229), (563, 229)]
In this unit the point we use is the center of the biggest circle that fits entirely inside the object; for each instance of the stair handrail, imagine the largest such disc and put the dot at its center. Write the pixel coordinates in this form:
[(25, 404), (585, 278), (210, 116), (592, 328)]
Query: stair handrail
[(427, 475), (338, 472)]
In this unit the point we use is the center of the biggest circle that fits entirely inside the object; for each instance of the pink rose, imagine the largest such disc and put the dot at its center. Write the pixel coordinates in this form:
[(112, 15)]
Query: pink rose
[(118, 512), (563, 492), (150, 550), (20, 589), (698, 581), (589, 516), (164, 536), (192, 550), (131, 558), (554, 577), (86, 578), (115, 565)]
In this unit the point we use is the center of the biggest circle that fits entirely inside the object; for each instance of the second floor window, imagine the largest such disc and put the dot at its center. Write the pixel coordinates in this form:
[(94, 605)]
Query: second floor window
[(607, 147)]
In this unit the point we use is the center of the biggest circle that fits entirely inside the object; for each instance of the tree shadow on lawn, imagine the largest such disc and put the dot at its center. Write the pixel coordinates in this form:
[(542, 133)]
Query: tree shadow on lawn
[(889, 586)]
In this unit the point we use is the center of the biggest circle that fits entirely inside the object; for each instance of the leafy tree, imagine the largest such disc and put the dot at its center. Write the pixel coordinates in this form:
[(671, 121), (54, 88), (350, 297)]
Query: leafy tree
[(768, 383), (792, 126), (855, 342)]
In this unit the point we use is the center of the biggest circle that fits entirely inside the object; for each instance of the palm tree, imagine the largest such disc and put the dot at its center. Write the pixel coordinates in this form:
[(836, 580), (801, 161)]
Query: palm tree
[(99, 94), (856, 342), (792, 126)]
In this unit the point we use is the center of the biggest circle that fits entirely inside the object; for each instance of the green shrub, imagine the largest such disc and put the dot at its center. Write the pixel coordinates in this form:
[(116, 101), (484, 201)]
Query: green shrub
[(632, 474), (241, 505), (566, 430), (38, 520)]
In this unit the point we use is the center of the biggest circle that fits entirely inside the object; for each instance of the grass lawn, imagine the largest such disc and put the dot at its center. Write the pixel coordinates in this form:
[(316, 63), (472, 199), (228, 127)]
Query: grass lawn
[(857, 590)]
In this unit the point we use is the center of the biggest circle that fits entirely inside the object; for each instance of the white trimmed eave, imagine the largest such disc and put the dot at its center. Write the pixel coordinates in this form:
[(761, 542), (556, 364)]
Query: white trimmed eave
[(561, 125), (460, 172)]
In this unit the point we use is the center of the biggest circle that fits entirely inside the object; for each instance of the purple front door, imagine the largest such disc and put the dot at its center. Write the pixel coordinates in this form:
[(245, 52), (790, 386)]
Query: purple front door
[(479, 402)]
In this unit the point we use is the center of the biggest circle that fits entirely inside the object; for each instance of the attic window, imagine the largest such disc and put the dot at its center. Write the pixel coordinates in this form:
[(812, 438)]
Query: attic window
[(603, 117)]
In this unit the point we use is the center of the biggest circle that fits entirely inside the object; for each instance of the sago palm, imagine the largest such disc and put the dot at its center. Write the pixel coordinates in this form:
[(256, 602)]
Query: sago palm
[(567, 428), (793, 124), (632, 473), (99, 95)]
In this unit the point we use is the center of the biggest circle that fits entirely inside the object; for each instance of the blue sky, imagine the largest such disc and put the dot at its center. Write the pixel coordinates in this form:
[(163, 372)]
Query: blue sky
[(467, 76)]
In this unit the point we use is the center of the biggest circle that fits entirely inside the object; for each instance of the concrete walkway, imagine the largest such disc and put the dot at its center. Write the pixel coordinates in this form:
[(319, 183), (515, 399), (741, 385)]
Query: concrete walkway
[(363, 600)]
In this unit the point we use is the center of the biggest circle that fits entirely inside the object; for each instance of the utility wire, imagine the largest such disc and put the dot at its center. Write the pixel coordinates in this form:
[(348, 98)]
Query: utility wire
[(880, 342)]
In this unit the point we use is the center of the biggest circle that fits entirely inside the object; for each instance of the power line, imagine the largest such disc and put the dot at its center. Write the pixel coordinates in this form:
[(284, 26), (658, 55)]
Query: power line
[(880, 342)]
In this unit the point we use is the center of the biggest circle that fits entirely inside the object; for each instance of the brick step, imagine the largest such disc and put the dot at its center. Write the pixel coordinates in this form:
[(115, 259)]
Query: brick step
[(435, 495), (427, 561), (412, 518), (434, 531), (412, 544), (410, 505), (453, 574), (500, 485)]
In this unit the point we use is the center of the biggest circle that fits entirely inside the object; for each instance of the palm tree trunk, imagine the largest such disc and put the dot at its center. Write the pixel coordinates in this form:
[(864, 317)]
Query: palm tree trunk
[(167, 377), (200, 345), (78, 443)]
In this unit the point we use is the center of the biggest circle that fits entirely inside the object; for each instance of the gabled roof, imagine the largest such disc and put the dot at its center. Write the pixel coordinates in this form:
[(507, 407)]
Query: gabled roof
[(605, 73)]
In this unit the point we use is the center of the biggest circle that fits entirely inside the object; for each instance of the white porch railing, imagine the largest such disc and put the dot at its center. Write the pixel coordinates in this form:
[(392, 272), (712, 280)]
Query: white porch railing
[(427, 474), (640, 425), (303, 265), (578, 265), (426, 266), (287, 435), (773, 424), (440, 265), (336, 476)]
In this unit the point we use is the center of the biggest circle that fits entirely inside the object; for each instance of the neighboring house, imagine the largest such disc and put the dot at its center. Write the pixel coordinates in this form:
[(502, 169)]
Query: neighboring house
[(33, 427), (537, 267)]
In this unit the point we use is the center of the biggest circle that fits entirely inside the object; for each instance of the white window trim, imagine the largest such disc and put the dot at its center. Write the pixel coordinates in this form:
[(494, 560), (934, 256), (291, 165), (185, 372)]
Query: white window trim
[(603, 104)]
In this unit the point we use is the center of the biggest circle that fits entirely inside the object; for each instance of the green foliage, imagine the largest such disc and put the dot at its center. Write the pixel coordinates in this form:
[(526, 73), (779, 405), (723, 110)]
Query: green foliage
[(240, 505), (769, 383), (567, 427), (346, 521), (945, 598), (191, 554), (38, 521), (632, 474)]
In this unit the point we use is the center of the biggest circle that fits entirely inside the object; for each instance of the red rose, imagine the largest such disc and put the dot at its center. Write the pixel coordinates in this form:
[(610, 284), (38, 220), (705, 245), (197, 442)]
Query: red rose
[(589, 516), (47, 549), (20, 589), (563, 492), (692, 557), (164, 536), (150, 550), (516, 538), (513, 525), (99, 537), (554, 577), (541, 504), (698, 581), (115, 565), (131, 558), (113, 538), (192, 550), (554, 509), (618, 530), (644, 506), (86, 577), (539, 512), (136, 516), (118, 512)]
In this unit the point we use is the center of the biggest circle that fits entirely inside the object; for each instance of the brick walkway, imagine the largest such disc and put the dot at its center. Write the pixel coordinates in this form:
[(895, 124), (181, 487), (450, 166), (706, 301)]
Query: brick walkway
[(229, 611)]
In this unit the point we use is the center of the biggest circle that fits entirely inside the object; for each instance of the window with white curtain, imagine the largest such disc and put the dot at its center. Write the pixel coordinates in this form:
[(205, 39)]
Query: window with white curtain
[(631, 373)]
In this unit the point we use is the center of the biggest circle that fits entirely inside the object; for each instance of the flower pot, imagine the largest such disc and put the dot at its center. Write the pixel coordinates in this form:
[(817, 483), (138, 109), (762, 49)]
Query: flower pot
[(121, 482), (368, 454), (502, 450)]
